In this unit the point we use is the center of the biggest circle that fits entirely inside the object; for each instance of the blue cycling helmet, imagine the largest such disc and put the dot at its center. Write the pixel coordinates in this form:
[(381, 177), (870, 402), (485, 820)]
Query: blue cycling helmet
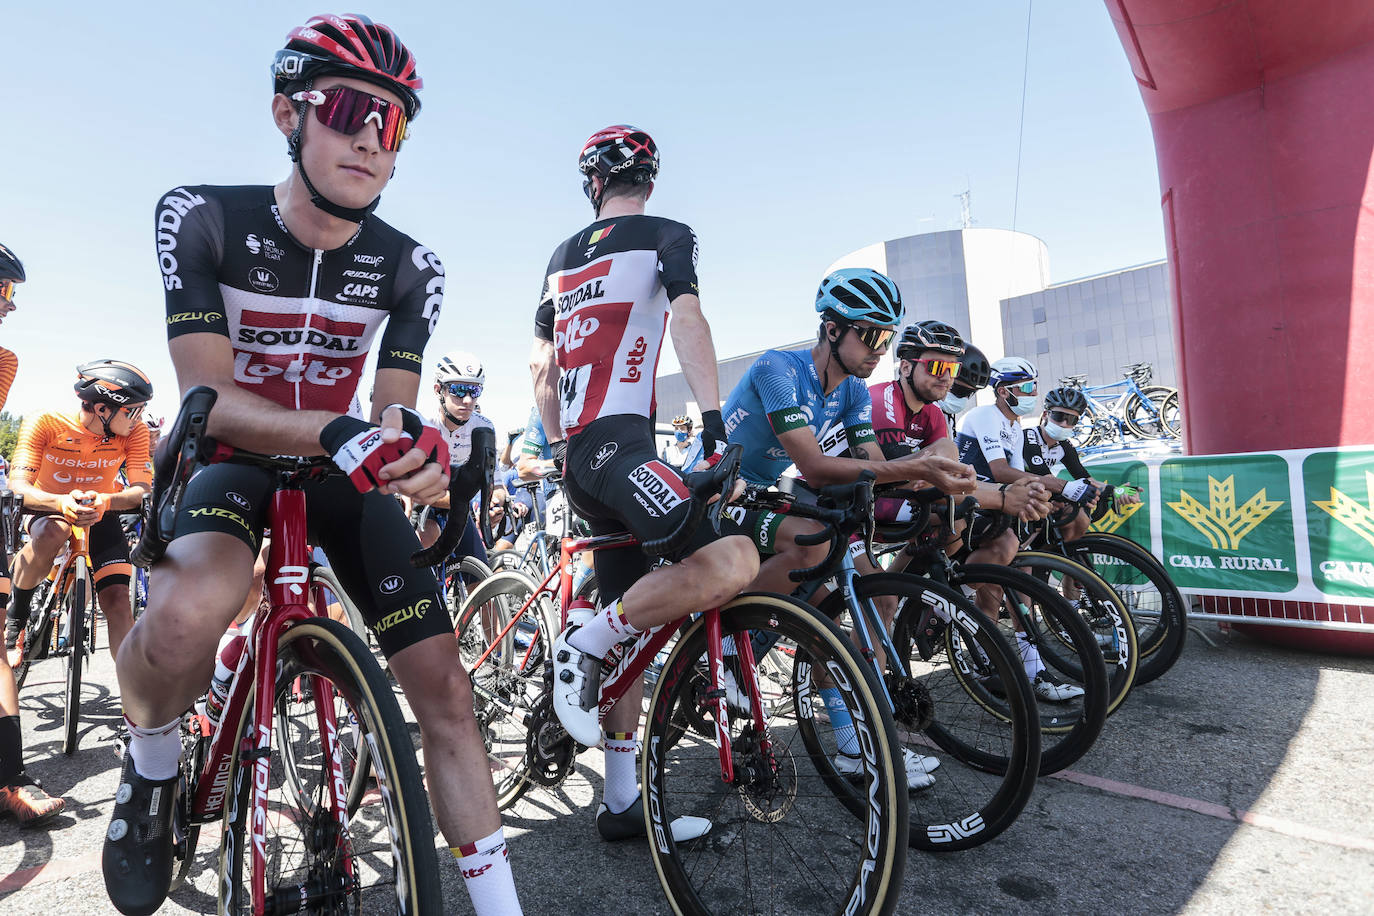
[(1012, 369), (860, 294)]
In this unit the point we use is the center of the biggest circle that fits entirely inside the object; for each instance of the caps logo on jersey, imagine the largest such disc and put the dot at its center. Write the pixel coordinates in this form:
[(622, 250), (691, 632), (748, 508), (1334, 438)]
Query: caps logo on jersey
[(262, 279), (662, 488)]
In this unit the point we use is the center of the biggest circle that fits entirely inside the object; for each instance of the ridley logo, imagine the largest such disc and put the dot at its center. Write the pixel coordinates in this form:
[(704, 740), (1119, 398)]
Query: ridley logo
[(603, 455), (390, 585)]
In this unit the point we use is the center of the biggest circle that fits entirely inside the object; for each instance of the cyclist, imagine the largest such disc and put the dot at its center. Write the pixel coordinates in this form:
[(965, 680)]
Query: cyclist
[(974, 375), (275, 296), (458, 382), (811, 408), (21, 796), (1051, 443), (66, 466), (991, 441), (685, 449), (610, 292)]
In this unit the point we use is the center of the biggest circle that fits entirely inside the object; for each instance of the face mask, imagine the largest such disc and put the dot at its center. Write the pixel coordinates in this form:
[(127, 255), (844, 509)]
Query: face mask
[(680, 436), (1024, 405), (955, 405), (1056, 432)]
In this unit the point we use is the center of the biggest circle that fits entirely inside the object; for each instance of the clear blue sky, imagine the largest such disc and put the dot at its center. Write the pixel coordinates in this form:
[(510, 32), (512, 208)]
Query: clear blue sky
[(791, 134)]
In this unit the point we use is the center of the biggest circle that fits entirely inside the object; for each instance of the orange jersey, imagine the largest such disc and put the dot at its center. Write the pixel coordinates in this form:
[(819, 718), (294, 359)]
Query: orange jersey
[(57, 455), (9, 367)]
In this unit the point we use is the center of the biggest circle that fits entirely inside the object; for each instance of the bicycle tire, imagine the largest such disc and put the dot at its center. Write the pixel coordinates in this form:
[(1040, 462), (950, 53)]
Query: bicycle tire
[(1147, 421), (396, 845), (37, 632), (75, 602), (1173, 420), (770, 814), (457, 588), (1101, 608), (508, 686), (353, 749), (1161, 620), (991, 744), (1067, 731), (186, 832)]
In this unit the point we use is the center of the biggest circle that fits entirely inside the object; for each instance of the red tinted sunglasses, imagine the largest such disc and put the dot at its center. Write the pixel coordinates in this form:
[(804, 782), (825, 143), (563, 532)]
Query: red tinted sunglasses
[(349, 110)]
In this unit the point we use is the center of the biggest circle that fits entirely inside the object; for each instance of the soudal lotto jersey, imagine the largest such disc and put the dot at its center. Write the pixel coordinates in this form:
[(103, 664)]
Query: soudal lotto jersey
[(781, 392), (301, 321), (57, 455), (605, 308)]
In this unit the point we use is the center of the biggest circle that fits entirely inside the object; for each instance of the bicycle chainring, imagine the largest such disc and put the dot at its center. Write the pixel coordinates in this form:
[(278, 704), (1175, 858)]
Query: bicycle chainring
[(766, 779), (549, 749)]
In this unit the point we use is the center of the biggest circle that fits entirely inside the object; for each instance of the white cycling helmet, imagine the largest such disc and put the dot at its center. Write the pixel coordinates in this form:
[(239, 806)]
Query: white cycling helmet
[(459, 366), (1012, 369)]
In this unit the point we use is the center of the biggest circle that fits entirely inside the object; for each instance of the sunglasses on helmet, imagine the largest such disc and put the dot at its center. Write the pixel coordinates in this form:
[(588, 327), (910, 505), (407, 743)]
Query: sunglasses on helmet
[(939, 367), (348, 110), (1063, 418), (462, 390), (6, 289), (875, 338)]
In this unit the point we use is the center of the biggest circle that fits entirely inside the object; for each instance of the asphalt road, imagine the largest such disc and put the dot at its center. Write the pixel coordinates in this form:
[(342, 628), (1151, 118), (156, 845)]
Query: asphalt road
[(1241, 782)]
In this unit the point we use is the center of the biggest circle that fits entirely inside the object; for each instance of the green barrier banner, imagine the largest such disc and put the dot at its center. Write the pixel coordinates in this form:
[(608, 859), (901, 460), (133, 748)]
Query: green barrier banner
[(1292, 525)]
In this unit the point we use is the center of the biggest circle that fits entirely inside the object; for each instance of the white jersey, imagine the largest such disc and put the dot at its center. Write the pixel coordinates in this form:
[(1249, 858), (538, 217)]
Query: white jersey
[(460, 438), (985, 436)]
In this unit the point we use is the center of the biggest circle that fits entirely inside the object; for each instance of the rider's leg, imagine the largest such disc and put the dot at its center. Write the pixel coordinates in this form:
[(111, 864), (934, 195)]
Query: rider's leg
[(999, 551), (19, 795), (779, 532), (119, 618), (47, 534)]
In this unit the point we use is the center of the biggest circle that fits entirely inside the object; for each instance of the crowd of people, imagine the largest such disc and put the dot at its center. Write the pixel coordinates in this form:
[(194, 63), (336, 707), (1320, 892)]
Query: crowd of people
[(344, 91)]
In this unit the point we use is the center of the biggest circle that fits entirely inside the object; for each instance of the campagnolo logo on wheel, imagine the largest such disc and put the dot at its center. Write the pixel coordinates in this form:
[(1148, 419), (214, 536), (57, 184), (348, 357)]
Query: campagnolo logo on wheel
[(238, 499), (603, 455), (390, 585), (262, 279)]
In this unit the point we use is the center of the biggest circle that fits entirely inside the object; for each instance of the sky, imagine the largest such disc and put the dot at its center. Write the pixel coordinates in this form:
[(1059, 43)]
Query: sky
[(790, 135)]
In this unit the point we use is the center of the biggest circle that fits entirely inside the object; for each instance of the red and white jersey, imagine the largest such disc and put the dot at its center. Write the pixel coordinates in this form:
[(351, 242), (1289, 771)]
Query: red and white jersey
[(605, 308)]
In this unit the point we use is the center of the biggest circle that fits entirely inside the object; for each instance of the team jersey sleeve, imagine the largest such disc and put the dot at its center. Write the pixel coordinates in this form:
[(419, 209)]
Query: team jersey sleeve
[(936, 423), (544, 314), (776, 382), (857, 418), (9, 368), (138, 464), (190, 246), (677, 260), (986, 434), (1072, 461), (535, 442), (416, 312), (34, 434)]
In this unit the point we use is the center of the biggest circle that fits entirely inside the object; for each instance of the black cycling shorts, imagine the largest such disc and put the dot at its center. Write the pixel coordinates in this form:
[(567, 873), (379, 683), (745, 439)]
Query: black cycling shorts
[(366, 537), (107, 549), (616, 482)]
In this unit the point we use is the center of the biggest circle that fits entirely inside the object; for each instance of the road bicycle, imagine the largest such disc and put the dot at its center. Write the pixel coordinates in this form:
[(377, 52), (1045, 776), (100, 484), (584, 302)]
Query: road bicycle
[(765, 782), (1139, 410), (276, 770), (61, 624)]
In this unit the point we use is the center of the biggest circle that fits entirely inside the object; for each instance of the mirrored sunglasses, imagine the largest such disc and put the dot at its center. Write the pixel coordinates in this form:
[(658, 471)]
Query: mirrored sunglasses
[(348, 110), (1022, 388), (876, 338), (6, 289), (1063, 418), (939, 367), (462, 390)]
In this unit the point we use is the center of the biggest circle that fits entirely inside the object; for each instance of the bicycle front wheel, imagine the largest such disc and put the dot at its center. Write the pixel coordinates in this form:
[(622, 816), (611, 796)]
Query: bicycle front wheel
[(1145, 412), (36, 636), (74, 608), (382, 859), (783, 839)]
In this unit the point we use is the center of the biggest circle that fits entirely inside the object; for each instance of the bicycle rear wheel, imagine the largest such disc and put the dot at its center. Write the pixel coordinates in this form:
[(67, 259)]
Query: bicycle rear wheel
[(383, 859), (1066, 646), (1150, 596), (74, 609), (783, 839), (36, 636), (988, 744), (1145, 412), (525, 743)]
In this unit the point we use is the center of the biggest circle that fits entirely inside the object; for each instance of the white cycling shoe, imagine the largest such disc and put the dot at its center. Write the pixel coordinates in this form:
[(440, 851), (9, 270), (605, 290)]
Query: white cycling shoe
[(1052, 690), (918, 768), (576, 690)]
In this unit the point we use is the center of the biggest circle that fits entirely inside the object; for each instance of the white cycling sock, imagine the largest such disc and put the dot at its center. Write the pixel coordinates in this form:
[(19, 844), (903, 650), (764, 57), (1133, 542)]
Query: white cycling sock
[(486, 872), (1030, 655), (607, 628), (156, 752), (622, 783)]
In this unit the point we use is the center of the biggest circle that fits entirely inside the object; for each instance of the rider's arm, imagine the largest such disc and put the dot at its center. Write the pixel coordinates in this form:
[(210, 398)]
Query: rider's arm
[(696, 353), (544, 369), (821, 470), (1072, 461), (9, 368), (34, 433), (138, 470)]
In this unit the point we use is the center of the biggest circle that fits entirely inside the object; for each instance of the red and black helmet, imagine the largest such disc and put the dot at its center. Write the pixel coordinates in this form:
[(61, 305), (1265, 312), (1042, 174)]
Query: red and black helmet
[(349, 45), (109, 381), (619, 151)]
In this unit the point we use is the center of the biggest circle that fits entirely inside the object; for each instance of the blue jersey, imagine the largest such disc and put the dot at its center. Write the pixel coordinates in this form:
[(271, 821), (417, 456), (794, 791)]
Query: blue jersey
[(782, 392)]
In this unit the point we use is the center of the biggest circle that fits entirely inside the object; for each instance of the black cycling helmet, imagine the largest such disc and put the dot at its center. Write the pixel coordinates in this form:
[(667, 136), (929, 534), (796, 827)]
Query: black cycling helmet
[(975, 372), (930, 335), (620, 151), (10, 266), (1068, 399), (109, 381)]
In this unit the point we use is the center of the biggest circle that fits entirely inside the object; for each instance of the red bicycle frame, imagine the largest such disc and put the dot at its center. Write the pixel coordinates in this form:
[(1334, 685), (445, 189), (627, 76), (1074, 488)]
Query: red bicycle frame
[(628, 663)]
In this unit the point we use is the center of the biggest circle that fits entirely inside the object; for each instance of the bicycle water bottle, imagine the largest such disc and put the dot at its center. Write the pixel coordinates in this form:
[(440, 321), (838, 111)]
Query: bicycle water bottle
[(225, 663)]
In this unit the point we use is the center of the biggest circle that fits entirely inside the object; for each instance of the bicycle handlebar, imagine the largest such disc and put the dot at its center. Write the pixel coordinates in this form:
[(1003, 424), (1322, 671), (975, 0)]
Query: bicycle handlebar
[(719, 480)]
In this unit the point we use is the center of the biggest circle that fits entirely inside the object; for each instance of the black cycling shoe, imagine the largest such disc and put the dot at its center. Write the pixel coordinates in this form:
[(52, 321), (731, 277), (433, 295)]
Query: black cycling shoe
[(137, 859)]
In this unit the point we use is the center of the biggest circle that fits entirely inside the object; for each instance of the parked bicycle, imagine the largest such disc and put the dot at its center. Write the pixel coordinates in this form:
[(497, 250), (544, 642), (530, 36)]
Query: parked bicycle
[(1138, 409)]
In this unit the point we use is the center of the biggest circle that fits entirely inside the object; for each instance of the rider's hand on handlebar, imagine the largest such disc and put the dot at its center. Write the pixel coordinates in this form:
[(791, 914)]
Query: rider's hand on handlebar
[(1027, 500), (945, 474), (84, 507)]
